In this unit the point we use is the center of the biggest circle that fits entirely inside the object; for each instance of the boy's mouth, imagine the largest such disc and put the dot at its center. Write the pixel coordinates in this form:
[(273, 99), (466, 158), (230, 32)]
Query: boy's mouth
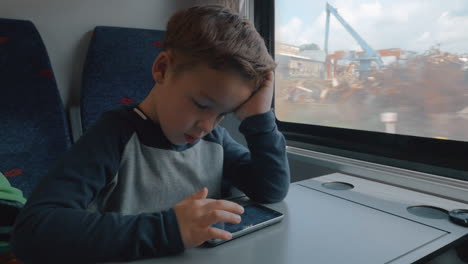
[(189, 138)]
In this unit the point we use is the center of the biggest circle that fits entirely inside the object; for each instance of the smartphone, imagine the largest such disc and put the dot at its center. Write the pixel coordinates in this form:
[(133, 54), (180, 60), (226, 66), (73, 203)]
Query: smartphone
[(255, 217)]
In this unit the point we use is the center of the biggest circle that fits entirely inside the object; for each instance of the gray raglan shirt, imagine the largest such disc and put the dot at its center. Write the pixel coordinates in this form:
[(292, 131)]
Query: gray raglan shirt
[(110, 198)]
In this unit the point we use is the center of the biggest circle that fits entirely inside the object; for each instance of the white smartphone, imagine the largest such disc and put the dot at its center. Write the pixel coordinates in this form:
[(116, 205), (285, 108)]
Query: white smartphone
[(255, 217)]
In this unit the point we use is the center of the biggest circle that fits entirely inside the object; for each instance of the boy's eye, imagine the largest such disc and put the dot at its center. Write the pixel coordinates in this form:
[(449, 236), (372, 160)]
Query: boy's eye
[(199, 105), (205, 107)]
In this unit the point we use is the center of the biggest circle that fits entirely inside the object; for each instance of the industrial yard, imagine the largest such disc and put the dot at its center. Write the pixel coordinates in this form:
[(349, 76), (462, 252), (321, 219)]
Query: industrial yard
[(389, 90)]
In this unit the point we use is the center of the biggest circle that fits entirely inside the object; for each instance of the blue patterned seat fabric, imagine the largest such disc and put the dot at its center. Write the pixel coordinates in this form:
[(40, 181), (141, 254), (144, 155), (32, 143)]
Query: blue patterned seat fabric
[(117, 69), (34, 131)]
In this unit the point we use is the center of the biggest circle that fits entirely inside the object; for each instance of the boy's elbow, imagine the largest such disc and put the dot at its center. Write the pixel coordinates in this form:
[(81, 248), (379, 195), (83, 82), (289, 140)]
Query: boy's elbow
[(275, 194), (278, 196), (281, 188), (283, 193), (277, 191), (269, 199)]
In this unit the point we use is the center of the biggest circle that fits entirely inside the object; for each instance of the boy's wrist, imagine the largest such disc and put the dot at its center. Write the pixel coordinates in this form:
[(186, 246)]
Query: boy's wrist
[(242, 116), (258, 123), (173, 232)]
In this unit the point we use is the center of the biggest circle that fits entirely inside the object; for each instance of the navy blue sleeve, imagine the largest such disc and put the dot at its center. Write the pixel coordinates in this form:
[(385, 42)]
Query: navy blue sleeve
[(262, 170), (56, 225)]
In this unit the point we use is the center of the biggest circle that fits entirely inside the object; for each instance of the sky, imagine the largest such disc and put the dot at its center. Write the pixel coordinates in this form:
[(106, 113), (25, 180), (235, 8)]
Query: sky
[(413, 25)]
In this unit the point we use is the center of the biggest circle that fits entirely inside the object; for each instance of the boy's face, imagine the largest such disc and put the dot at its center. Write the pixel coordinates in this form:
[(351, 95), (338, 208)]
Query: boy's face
[(189, 104)]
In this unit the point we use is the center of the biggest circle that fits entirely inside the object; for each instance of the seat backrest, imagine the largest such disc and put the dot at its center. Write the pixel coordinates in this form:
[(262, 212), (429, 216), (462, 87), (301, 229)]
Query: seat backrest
[(117, 69), (33, 131)]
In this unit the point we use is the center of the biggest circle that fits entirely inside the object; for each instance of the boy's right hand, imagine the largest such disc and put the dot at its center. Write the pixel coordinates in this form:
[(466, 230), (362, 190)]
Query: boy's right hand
[(195, 215)]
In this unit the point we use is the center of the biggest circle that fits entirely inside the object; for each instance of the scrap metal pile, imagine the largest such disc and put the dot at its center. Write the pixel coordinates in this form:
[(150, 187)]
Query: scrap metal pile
[(433, 82)]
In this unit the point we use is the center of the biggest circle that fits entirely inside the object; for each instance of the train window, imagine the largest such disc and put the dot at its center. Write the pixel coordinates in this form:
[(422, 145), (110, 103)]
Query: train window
[(381, 81)]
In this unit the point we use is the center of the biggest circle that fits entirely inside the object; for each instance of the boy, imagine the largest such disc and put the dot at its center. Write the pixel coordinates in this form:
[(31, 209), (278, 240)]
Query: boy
[(136, 184)]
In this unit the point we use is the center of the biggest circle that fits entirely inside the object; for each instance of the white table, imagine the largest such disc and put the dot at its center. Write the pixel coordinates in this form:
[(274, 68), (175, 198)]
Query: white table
[(367, 224)]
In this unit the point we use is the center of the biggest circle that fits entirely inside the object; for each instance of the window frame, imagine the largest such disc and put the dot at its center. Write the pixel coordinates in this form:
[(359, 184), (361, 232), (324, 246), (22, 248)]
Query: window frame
[(400, 151)]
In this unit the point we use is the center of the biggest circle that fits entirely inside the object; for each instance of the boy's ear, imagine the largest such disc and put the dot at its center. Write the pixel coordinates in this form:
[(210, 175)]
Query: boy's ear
[(160, 66)]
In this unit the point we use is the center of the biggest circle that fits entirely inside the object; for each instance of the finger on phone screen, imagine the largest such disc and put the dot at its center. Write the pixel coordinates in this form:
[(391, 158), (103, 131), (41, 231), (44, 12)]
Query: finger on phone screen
[(226, 206), (216, 233), (216, 216)]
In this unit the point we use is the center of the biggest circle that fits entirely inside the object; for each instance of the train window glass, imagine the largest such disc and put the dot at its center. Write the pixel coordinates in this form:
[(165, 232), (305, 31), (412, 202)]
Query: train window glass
[(379, 81), (385, 66)]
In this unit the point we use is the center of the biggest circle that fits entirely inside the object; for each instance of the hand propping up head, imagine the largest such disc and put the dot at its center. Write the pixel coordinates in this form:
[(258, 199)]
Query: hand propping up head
[(260, 101)]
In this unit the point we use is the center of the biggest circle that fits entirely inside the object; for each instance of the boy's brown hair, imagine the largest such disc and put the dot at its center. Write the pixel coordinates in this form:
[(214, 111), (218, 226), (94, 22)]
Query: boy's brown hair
[(217, 36)]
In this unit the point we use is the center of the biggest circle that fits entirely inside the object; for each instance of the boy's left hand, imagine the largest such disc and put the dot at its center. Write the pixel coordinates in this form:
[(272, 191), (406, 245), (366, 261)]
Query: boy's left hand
[(260, 101)]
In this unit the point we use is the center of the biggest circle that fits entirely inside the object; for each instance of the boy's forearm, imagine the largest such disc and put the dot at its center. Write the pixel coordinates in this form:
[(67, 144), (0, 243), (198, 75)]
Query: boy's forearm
[(269, 178), (56, 224), (262, 174), (66, 235)]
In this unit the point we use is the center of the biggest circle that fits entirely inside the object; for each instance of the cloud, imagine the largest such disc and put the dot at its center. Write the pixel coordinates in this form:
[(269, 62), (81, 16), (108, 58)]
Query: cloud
[(450, 31), (415, 25), (295, 32), (424, 36)]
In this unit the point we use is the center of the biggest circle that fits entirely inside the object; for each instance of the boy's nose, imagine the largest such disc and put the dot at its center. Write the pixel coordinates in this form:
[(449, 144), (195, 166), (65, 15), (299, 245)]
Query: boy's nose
[(206, 125)]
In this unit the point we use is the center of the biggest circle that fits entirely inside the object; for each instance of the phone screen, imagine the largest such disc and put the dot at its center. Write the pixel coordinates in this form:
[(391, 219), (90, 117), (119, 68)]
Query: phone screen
[(254, 217)]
